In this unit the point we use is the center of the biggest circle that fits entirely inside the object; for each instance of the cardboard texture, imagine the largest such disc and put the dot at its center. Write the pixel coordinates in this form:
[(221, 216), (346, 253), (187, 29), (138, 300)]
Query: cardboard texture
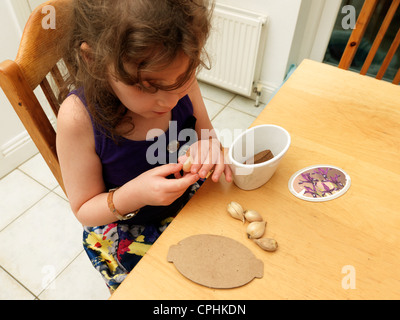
[(215, 261)]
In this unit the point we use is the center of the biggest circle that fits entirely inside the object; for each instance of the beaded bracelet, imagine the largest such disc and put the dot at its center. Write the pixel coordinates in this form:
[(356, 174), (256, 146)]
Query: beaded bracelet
[(114, 211)]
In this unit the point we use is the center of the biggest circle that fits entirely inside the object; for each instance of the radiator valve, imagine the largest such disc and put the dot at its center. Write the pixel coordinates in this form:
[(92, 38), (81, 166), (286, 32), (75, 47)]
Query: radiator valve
[(258, 90)]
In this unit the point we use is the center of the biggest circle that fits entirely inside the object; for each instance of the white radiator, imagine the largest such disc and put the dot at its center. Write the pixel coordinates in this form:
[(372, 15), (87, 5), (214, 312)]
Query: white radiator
[(235, 47)]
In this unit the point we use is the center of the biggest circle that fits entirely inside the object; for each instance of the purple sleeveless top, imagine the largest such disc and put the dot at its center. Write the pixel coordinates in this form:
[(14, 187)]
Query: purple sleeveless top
[(127, 159)]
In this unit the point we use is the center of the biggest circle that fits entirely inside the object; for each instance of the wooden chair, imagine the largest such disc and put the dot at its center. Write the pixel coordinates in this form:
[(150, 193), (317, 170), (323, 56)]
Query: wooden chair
[(356, 36), (39, 52)]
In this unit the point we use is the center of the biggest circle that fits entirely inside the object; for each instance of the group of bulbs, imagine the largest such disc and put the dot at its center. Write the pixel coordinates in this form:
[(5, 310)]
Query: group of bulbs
[(256, 227)]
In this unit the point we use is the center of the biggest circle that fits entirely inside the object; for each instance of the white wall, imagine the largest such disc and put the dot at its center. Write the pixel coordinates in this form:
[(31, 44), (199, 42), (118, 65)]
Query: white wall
[(15, 145), (297, 29), (314, 28)]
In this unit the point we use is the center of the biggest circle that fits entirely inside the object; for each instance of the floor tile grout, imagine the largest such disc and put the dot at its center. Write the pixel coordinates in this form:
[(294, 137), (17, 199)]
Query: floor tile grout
[(19, 282), (28, 175), (223, 108), (27, 209), (59, 274)]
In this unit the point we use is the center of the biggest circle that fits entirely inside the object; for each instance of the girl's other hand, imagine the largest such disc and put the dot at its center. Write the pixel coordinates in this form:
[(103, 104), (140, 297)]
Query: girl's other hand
[(208, 155)]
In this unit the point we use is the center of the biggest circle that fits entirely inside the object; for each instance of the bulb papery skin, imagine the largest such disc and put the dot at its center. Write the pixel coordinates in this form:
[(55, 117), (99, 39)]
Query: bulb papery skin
[(267, 244), (256, 229), (236, 210), (252, 216)]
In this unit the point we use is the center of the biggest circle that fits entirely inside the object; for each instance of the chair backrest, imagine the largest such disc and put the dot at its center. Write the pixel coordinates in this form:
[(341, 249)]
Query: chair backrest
[(356, 36), (39, 52)]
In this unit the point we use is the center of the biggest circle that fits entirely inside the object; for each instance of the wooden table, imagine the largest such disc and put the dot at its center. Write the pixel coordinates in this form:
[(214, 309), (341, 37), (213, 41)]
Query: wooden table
[(334, 117)]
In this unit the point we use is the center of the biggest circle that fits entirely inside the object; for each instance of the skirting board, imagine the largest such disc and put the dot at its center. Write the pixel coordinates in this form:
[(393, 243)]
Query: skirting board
[(15, 152)]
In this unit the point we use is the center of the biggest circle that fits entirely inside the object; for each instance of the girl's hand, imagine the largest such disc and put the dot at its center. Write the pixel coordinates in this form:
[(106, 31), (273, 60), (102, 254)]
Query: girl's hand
[(157, 190), (208, 155)]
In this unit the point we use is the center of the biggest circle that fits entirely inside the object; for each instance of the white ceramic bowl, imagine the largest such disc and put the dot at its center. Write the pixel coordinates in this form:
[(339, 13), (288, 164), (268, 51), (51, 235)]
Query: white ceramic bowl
[(251, 142)]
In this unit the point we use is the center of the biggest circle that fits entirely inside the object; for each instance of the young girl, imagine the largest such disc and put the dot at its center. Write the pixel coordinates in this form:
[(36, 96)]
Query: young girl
[(132, 65)]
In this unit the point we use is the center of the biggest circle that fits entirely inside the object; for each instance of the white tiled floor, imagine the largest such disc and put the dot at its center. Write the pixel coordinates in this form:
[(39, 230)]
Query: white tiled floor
[(41, 253)]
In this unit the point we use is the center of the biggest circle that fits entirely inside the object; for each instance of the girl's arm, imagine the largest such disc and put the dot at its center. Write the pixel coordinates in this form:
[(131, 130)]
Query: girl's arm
[(212, 154), (82, 173), (80, 166)]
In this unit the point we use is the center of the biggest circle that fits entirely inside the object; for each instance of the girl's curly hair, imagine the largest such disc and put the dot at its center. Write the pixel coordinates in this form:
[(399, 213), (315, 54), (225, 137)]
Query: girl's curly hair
[(146, 34)]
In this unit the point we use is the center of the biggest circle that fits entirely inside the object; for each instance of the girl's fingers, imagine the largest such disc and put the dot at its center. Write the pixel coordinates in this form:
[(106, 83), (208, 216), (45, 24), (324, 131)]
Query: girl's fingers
[(203, 158), (181, 184), (207, 155), (218, 170), (198, 154), (228, 173), (205, 169), (168, 169), (177, 175)]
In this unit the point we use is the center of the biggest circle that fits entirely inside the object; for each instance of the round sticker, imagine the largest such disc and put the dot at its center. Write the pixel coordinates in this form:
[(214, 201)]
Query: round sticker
[(319, 183)]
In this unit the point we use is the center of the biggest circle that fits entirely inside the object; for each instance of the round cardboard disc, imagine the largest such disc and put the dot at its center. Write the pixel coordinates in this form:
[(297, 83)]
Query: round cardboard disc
[(215, 261), (319, 183)]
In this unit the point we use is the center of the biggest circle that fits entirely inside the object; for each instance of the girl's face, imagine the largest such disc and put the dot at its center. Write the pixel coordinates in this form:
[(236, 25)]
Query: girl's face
[(152, 105)]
